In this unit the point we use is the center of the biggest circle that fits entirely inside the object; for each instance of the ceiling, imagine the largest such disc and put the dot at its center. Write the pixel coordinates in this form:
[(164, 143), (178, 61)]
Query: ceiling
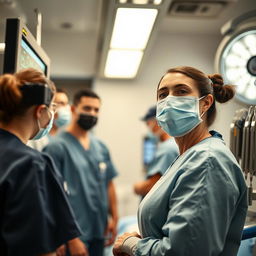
[(85, 16)]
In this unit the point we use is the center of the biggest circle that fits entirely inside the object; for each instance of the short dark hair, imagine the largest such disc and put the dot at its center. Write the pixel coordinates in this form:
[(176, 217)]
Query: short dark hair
[(84, 93), (61, 90)]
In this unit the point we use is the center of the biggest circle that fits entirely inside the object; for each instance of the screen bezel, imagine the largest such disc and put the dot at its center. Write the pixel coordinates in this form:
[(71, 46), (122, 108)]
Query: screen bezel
[(15, 32)]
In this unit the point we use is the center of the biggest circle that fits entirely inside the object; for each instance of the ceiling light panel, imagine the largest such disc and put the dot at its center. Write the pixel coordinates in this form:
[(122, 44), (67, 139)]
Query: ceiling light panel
[(122, 63), (132, 28)]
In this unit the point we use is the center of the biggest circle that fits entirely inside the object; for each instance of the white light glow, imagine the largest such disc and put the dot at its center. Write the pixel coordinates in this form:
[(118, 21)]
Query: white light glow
[(251, 90), (250, 42), (2, 47), (157, 2), (240, 49), (140, 1), (132, 28), (122, 1), (240, 88), (122, 63), (233, 74), (242, 83), (233, 60)]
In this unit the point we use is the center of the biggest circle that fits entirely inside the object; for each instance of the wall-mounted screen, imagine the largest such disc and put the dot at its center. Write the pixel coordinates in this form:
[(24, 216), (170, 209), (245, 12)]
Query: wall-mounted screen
[(29, 59), (22, 50), (149, 150)]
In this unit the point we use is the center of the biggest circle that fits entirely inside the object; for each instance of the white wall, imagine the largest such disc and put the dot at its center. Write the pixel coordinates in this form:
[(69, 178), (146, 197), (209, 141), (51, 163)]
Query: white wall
[(124, 102), (64, 49)]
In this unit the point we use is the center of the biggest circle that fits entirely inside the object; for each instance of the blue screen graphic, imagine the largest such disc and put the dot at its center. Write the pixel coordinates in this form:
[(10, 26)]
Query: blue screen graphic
[(29, 59), (149, 150)]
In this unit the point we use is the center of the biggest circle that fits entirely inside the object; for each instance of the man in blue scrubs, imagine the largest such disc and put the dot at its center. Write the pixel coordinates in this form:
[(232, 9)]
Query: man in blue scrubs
[(86, 166), (166, 152)]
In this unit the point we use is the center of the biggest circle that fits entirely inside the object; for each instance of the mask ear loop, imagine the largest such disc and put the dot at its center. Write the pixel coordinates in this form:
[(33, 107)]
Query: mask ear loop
[(205, 111)]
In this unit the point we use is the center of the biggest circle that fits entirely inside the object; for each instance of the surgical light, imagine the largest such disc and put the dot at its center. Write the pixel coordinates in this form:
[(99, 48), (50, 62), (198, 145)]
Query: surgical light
[(236, 56)]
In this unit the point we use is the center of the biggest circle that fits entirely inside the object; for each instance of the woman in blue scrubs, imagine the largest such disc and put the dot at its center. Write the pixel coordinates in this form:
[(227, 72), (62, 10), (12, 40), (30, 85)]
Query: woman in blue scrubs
[(199, 205), (35, 217)]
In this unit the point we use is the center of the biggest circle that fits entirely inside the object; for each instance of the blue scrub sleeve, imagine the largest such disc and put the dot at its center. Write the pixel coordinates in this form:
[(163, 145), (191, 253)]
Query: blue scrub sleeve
[(38, 218), (111, 170), (199, 211), (55, 150), (160, 164)]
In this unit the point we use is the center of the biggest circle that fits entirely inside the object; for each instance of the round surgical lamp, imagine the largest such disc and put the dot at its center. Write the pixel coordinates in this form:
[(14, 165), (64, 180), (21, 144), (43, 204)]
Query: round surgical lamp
[(236, 56)]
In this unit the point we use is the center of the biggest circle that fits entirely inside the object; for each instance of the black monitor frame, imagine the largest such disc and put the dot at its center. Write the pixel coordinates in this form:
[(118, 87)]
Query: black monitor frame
[(16, 31)]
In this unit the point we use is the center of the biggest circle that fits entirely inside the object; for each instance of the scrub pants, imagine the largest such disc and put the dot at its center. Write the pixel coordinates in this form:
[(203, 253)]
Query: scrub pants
[(95, 247)]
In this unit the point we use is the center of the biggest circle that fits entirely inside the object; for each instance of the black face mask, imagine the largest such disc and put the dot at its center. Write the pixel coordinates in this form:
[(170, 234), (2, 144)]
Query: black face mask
[(86, 122)]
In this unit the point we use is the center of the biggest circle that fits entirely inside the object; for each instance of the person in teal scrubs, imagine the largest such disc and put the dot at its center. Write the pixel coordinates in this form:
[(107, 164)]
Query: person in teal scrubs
[(166, 153), (62, 118), (199, 205), (86, 166)]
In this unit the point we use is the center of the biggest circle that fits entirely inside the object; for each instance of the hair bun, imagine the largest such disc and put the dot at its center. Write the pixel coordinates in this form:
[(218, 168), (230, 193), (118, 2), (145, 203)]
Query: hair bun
[(222, 92), (10, 94)]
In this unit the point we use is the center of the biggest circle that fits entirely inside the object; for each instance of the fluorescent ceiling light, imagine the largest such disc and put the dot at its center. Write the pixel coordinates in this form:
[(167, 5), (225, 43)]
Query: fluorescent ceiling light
[(2, 47), (132, 28), (122, 63), (140, 1), (157, 2)]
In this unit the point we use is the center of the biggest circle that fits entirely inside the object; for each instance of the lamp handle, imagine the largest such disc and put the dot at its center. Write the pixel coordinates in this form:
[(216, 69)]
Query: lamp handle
[(231, 25)]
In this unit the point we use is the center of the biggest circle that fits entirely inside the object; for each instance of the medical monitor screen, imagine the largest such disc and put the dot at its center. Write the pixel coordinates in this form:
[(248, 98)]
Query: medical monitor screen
[(29, 59), (22, 49), (149, 150)]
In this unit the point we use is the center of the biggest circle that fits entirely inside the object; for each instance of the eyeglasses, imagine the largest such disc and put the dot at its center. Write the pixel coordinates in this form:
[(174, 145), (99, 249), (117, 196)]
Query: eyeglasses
[(53, 107)]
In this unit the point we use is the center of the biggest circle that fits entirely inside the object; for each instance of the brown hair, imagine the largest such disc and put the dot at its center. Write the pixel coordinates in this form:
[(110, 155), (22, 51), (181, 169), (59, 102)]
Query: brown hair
[(207, 84), (10, 93)]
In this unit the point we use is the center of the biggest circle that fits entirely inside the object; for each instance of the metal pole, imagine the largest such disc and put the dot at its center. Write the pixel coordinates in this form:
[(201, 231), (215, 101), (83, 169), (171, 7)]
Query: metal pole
[(38, 26)]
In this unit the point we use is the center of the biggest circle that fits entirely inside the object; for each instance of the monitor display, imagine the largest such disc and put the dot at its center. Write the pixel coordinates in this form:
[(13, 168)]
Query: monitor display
[(22, 50), (29, 59), (149, 150)]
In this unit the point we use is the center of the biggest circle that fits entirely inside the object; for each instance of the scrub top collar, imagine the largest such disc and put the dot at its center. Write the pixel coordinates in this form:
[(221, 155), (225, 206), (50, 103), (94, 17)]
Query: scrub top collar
[(215, 134), (3, 131)]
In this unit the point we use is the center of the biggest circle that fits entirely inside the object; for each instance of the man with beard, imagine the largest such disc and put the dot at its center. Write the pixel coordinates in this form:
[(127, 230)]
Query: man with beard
[(85, 164)]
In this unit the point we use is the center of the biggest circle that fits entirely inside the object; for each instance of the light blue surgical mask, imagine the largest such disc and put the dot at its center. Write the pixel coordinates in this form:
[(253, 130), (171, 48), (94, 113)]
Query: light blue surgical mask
[(44, 131), (178, 115), (64, 116)]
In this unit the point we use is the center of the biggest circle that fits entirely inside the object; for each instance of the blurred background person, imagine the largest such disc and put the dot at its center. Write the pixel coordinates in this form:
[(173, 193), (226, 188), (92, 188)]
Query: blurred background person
[(166, 152), (63, 114), (62, 118), (86, 165), (35, 216)]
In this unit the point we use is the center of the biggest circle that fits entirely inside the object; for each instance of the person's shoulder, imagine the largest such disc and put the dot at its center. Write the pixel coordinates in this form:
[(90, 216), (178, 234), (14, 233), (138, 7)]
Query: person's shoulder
[(214, 147), (170, 144), (27, 161), (212, 153), (58, 141), (30, 153), (98, 142)]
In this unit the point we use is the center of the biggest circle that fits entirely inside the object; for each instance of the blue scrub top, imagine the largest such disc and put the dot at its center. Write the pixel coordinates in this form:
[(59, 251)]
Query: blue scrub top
[(35, 216), (87, 173), (167, 152), (198, 207)]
